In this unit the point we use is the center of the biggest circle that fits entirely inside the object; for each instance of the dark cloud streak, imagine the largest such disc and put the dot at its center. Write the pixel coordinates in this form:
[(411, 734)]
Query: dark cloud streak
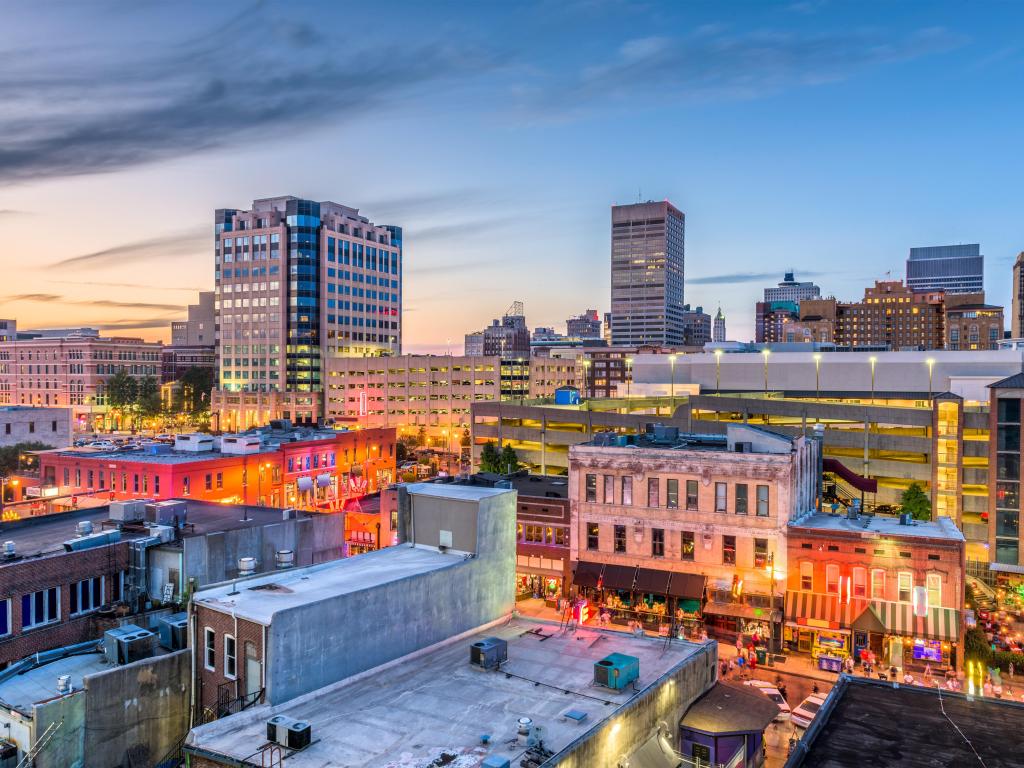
[(741, 277), (187, 243)]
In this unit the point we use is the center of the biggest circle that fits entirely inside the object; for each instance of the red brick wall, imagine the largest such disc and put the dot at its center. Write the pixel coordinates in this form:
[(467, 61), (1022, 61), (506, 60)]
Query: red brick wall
[(30, 575), (539, 510), (209, 682)]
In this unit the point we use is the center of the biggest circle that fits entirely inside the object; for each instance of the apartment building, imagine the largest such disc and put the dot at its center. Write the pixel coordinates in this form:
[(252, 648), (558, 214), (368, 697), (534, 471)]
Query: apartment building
[(671, 528), (72, 372)]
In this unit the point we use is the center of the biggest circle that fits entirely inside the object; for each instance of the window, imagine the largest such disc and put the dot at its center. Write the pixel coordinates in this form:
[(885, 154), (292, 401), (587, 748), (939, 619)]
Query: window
[(691, 494), (220, 480), (42, 607), (5, 617), (807, 576), (86, 595), (627, 490), (657, 542), (609, 489), (877, 584), (230, 667), (760, 553), (534, 534), (591, 493), (208, 482), (186, 486), (904, 586), (620, 538), (721, 495), (210, 650), (118, 587), (686, 546), (729, 550), (832, 579), (934, 583), (672, 494), (592, 535), (860, 582), (653, 486), (741, 498), (762, 501)]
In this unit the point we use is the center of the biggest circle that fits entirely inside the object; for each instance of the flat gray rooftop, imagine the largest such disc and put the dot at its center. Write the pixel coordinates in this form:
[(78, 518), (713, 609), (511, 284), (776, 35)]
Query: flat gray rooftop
[(454, 491), (47, 533), (875, 525), (259, 598), (410, 713), (40, 684)]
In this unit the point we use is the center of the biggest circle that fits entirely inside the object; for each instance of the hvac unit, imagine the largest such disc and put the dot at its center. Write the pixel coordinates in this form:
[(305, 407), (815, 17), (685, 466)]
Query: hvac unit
[(616, 671), (128, 643), (288, 732), (92, 540), (173, 513), (237, 445), (127, 511), (488, 653), (196, 443), (173, 631), (495, 761)]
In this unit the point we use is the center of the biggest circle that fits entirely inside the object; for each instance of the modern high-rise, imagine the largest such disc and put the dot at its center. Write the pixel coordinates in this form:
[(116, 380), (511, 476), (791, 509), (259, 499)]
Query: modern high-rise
[(951, 268), (1017, 307), (718, 332), (648, 256), (299, 281)]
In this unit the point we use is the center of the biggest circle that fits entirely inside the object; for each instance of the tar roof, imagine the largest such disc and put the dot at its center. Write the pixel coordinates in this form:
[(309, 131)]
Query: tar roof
[(46, 534), (730, 708), (879, 725), (876, 525), (258, 599), (411, 712)]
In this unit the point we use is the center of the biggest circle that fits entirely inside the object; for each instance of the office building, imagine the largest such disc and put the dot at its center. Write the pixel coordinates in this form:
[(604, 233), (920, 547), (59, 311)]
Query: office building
[(1004, 454), (198, 329), (1017, 305), (661, 516), (718, 332), (647, 266), (696, 327), (770, 318), (949, 268), (790, 289), (973, 325), (507, 337), (585, 326), (176, 361), (299, 281), (8, 330)]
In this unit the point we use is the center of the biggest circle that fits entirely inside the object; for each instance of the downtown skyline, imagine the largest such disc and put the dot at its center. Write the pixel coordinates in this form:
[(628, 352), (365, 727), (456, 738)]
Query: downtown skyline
[(826, 138)]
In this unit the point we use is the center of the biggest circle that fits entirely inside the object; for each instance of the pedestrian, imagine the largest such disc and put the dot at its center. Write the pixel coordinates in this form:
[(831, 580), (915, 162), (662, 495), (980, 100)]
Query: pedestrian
[(1009, 670), (732, 665), (753, 662), (927, 672), (703, 635), (739, 645)]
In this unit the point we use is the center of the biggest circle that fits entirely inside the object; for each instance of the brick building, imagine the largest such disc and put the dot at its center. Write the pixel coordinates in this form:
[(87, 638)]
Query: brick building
[(875, 583)]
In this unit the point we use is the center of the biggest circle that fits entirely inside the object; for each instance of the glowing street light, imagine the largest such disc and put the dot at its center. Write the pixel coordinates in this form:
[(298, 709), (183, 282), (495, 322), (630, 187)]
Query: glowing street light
[(872, 360), (672, 366), (718, 371), (629, 375), (766, 352), (930, 362), (817, 375)]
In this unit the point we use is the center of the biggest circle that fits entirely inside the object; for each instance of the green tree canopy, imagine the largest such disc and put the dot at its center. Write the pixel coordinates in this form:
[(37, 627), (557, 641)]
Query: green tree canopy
[(121, 390), (196, 387), (9, 462), (490, 458), (509, 462), (976, 645), (915, 502)]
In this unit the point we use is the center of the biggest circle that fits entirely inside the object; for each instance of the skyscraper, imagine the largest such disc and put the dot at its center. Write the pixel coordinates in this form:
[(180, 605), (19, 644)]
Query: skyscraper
[(951, 268), (718, 333), (781, 305), (298, 281), (1017, 307), (648, 255), (791, 290)]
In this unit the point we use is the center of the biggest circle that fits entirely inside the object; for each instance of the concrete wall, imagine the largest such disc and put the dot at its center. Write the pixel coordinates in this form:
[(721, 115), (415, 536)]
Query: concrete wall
[(51, 426), (661, 705), (435, 514), (320, 643), (214, 557), (66, 748)]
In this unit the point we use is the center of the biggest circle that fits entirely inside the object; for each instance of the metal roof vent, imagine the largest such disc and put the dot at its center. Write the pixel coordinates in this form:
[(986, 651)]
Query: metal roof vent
[(285, 558), (84, 527), (246, 566)]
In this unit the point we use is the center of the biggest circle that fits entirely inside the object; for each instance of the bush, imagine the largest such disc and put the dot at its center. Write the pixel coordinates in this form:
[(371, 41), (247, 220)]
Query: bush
[(1003, 659), (976, 646)]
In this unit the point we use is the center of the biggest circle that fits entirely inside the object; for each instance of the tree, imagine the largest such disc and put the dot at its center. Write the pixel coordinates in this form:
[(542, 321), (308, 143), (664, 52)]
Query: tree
[(121, 390), (421, 436), (976, 645), (147, 397), (490, 458), (401, 452), (10, 462), (509, 461), (465, 440), (196, 387), (915, 502)]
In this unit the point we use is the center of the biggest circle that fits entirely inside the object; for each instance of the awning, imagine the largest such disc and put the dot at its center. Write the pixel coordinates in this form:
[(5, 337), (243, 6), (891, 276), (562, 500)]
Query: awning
[(650, 581), (305, 483), (741, 610), (687, 585), (899, 619), (811, 609), (1006, 568), (619, 577), (322, 481), (586, 574), (869, 621)]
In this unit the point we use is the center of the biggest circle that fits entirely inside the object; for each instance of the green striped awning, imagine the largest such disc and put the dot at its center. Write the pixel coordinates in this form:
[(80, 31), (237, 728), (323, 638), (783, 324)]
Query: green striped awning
[(899, 619), (812, 609)]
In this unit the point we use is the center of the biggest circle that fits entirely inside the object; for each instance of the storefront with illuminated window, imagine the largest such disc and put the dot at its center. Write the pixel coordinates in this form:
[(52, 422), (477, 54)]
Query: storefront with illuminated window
[(541, 554)]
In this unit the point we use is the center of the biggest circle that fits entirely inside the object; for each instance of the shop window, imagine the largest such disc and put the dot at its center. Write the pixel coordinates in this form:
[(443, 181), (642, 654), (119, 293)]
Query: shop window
[(762, 501), (877, 584), (860, 586), (741, 498), (672, 494), (760, 553), (904, 586), (691, 494), (653, 486), (593, 534), (620, 538), (534, 534), (832, 579), (591, 488), (627, 490), (561, 537), (687, 546), (721, 496), (729, 550), (657, 542), (934, 583), (609, 489), (807, 576)]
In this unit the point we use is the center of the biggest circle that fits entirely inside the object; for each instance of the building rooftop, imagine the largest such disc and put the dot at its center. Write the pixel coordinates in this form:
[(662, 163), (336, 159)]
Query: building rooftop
[(548, 486), (454, 491), (411, 712), (259, 598), (21, 691), (730, 708), (867, 722), (873, 526), (739, 438)]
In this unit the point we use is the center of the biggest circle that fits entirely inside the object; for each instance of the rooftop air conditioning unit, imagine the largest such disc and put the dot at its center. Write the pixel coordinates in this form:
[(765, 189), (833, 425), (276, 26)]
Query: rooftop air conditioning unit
[(196, 443), (173, 513), (288, 732), (127, 511), (240, 444), (488, 653), (128, 643), (616, 671), (173, 631)]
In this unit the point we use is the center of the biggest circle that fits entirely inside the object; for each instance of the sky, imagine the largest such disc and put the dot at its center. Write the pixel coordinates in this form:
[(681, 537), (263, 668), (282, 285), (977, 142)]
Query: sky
[(822, 136)]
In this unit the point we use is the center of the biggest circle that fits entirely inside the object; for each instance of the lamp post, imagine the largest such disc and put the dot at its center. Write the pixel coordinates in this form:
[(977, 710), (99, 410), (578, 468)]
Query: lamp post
[(629, 378), (586, 377), (817, 376), (872, 360), (766, 352), (718, 371), (931, 365), (672, 386), (771, 603)]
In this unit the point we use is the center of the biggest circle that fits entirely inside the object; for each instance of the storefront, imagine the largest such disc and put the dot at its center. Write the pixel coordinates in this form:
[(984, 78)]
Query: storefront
[(817, 625), (901, 639), (538, 585)]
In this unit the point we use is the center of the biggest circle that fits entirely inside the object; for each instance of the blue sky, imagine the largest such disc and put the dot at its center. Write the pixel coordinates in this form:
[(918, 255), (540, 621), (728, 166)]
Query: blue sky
[(829, 137)]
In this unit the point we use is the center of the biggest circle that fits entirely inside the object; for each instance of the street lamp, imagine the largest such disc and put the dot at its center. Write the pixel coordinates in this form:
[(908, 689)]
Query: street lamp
[(872, 360), (771, 603), (817, 375), (931, 365), (718, 371), (766, 352), (586, 377), (672, 366), (629, 376)]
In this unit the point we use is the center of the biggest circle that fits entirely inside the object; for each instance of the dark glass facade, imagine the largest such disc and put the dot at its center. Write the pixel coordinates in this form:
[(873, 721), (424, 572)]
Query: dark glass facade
[(1007, 538)]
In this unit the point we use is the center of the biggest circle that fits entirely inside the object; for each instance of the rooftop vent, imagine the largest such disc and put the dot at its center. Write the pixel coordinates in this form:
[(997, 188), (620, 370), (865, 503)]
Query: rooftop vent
[(84, 527), (489, 653), (285, 558), (246, 566), (10, 550), (64, 684), (92, 540)]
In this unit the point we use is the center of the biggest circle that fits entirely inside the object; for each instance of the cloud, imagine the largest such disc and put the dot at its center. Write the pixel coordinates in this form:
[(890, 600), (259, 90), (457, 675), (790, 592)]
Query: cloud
[(131, 325), (37, 297), (186, 243), (714, 63), (46, 298), (227, 86), (736, 277), (434, 269), (427, 204), (104, 284), (4, 212), (464, 229)]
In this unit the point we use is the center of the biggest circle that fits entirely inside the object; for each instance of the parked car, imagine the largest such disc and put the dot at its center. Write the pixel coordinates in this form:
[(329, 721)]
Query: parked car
[(775, 695), (804, 714), (102, 445)]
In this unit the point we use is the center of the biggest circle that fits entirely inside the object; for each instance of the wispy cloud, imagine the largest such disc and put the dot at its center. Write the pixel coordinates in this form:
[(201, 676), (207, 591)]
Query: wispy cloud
[(465, 229), (199, 94), (132, 325), (48, 298), (105, 284), (6, 212), (187, 243), (36, 297), (741, 277)]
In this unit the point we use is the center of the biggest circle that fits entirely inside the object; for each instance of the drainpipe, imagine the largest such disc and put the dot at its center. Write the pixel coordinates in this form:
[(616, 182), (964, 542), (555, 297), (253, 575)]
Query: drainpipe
[(192, 619)]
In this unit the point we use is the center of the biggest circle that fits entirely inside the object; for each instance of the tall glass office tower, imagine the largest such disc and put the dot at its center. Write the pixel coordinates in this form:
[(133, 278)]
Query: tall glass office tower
[(951, 268)]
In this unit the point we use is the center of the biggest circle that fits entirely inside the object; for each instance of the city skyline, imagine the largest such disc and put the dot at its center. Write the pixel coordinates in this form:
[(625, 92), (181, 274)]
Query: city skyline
[(831, 97)]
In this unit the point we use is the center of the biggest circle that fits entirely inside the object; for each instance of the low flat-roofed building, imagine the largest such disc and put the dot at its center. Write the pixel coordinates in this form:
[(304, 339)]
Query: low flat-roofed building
[(436, 703), (870, 723), (25, 424)]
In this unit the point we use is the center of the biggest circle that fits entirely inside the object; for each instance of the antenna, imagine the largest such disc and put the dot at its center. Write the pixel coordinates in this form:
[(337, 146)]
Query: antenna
[(516, 310)]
